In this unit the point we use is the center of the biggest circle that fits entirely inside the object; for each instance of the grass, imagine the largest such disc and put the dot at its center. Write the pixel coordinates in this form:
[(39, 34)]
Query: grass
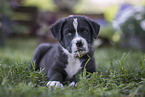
[(120, 73)]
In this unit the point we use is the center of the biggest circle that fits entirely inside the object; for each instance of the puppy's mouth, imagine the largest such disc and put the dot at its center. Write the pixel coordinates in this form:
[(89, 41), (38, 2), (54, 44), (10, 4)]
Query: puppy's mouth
[(80, 52)]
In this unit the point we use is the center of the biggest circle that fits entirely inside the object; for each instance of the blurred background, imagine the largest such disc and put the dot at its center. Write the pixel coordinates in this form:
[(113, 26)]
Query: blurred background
[(122, 21)]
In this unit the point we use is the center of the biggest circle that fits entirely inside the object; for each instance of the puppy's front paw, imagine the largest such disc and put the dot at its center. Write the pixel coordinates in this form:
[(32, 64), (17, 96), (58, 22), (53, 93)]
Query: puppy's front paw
[(73, 84), (54, 84)]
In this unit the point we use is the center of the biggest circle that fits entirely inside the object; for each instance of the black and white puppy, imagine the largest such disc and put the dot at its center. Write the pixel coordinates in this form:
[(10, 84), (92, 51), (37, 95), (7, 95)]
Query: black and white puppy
[(62, 61)]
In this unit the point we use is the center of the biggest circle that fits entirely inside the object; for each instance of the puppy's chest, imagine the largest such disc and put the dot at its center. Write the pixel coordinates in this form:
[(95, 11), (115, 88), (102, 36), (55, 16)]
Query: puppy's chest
[(73, 66)]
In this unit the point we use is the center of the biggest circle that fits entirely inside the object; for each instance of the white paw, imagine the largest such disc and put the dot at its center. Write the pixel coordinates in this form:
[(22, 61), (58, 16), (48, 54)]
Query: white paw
[(54, 84), (73, 84)]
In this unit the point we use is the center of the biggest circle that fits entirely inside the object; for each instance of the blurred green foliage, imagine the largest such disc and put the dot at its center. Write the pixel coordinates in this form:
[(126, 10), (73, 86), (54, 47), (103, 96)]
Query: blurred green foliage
[(110, 13), (5, 8), (41, 4)]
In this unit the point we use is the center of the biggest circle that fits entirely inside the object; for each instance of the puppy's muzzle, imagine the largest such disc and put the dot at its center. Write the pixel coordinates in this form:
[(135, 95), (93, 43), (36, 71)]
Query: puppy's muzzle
[(81, 50)]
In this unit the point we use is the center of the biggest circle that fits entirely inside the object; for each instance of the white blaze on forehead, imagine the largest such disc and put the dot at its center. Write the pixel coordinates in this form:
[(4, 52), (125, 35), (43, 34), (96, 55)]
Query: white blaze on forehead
[(75, 24)]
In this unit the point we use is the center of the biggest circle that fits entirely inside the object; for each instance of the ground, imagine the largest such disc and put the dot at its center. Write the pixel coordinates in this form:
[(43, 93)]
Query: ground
[(120, 73)]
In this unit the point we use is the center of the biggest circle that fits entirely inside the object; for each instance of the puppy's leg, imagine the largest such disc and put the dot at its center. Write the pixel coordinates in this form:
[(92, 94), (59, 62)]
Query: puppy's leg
[(55, 81), (39, 53), (91, 67)]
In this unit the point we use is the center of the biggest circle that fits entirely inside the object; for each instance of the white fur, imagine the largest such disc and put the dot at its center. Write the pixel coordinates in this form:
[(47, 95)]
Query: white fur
[(66, 51), (75, 24), (73, 84), (73, 66), (74, 41), (54, 84)]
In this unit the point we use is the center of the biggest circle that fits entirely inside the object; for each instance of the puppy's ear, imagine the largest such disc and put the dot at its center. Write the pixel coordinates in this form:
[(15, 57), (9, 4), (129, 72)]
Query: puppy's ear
[(94, 26), (56, 29)]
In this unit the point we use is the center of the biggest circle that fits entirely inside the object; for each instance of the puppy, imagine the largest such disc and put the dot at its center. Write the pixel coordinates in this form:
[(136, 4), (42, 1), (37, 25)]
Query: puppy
[(62, 61)]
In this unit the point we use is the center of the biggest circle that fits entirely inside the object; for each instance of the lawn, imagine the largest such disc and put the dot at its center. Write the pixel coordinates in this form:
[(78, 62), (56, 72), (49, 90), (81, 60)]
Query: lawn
[(120, 73)]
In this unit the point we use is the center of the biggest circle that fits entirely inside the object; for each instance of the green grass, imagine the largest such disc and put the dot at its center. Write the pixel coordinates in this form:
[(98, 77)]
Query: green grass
[(120, 73)]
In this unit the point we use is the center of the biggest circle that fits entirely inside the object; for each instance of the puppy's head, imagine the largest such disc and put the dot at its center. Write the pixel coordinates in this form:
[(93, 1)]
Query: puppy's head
[(75, 34)]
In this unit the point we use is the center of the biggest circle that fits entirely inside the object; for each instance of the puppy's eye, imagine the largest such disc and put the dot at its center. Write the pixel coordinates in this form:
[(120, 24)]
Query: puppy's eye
[(68, 32), (84, 30)]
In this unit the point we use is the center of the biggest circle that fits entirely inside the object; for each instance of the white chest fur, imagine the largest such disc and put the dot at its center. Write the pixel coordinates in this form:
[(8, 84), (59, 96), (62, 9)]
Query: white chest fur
[(74, 65)]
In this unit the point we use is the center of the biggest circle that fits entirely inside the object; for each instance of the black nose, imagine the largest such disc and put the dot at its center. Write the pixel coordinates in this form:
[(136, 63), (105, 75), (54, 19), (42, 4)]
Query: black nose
[(79, 43)]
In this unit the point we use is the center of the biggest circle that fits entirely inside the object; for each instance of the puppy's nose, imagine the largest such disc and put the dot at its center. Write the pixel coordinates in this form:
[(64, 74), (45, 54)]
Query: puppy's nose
[(79, 43)]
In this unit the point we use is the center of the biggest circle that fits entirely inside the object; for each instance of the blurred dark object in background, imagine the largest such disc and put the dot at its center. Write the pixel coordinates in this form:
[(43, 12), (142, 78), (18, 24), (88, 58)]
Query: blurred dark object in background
[(133, 42), (2, 36), (45, 20), (30, 20)]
